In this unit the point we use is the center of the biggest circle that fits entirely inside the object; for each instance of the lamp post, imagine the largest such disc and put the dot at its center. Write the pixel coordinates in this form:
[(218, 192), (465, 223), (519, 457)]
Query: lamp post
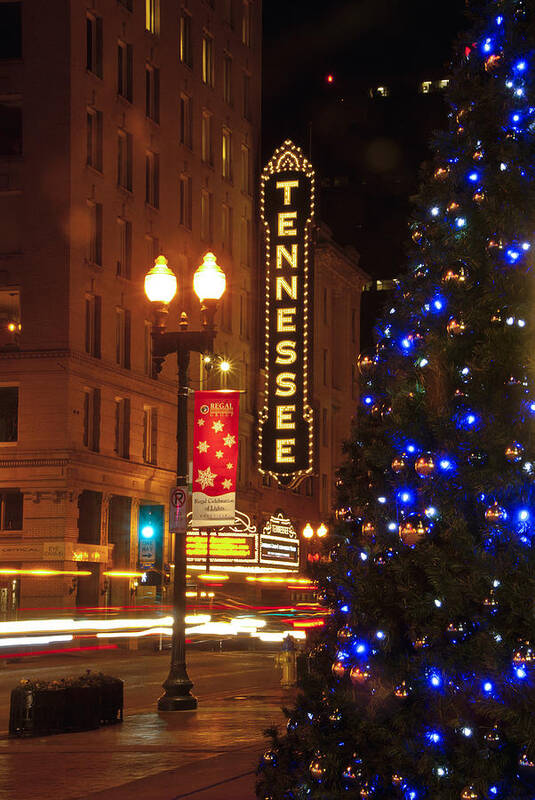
[(309, 533), (160, 287)]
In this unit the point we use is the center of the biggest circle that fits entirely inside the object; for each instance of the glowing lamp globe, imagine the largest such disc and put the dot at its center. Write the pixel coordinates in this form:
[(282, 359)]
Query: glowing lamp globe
[(209, 282), (160, 282), (308, 531), (469, 793), (322, 530)]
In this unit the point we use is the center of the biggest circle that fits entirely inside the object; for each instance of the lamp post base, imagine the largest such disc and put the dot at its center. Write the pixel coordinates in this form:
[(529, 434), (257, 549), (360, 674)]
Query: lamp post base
[(177, 702)]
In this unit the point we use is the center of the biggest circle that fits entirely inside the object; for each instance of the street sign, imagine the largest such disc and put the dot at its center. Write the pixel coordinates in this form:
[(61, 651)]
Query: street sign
[(147, 552), (178, 499)]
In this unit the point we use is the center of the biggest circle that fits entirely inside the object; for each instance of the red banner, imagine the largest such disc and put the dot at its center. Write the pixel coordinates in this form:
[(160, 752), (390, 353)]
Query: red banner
[(215, 458)]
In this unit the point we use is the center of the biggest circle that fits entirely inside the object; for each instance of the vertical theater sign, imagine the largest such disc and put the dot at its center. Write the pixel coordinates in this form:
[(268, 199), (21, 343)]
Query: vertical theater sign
[(286, 420)]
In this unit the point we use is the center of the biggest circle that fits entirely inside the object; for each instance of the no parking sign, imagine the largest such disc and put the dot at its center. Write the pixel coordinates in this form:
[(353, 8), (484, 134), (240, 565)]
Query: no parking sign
[(177, 509)]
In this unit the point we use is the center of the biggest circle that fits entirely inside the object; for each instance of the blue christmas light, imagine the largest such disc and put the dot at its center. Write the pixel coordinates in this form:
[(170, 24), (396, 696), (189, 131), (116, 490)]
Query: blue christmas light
[(467, 731), (430, 512), (435, 680), (406, 344), (524, 515), (446, 465), (433, 737), (435, 211), (381, 500), (499, 20), (411, 448), (422, 362), (380, 635), (363, 556), (441, 772), (405, 496), (520, 672), (512, 255), (360, 648), (487, 45), (473, 176), (392, 526), (345, 609), (520, 66), (438, 603), (460, 222), (468, 421), (488, 687), (438, 303), (493, 791), (367, 400), (531, 406)]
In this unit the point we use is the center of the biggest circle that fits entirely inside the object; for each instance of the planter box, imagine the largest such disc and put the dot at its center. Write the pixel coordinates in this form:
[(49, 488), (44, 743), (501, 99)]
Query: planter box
[(66, 706)]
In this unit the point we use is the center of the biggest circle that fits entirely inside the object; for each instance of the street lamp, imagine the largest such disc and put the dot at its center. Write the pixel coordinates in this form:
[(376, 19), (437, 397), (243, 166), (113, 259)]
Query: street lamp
[(320, 532), (160, 287)]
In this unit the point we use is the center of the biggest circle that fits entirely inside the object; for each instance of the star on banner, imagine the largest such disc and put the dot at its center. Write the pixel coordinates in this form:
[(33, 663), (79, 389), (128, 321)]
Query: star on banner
[(227, 483), (230, 465), (219, 454), (202, 447), (206, 477), (229, 440), (217, 426), (200, 422)]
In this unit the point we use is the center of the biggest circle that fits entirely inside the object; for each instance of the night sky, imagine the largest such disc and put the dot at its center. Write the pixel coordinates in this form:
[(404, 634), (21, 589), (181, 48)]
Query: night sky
[(367, 152)]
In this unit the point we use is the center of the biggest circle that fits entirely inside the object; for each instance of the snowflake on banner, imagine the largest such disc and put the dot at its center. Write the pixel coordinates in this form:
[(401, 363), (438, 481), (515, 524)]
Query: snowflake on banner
[(206, 477), (229, 440), (217, 426), (200, 422), (230, 465), (202, 447), (219, 454), (227, 483)]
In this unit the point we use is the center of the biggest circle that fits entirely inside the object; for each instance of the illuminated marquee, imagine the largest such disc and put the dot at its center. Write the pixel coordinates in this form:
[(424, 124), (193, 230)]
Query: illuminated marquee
[(286, 421), (229, 544), (279, 543)]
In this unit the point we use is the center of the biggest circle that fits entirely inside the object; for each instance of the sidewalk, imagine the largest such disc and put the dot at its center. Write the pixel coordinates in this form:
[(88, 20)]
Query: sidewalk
[(210, 754)]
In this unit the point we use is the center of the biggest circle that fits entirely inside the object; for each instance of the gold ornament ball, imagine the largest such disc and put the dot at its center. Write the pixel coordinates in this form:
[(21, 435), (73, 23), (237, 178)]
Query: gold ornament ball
[(359, 675), (492, 62), (365, 364), (525, 761), (338, 669), (417, 236), (398, 464), (479, 197), (397, 780), (455, 274), (366, 791), (495, 513), (413, 529), (368, 528), (345, 633), (495, 244), (453, 206), (514, 452), (316, 770), (469, 793), (441, 173), (425, 465), (523, 654), (402, 690), (349, 774), (455, 327)]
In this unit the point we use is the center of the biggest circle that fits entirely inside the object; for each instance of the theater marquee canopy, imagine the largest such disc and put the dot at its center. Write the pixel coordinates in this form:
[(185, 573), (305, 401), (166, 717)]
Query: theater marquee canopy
[(286, 421)]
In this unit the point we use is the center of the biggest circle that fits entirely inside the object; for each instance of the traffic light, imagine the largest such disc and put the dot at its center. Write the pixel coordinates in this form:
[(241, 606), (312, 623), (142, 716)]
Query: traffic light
[(151, 536)]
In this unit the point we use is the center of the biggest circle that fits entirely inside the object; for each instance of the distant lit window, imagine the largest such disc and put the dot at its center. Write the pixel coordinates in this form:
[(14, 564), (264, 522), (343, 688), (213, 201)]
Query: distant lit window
[(443, 84), (208, 59), (152, 16), (245, 183), (246, 23), (246, 96), (185, 52), (425, 87), (9, 413), (93, 31), (226, 154), (379, 91), (10, 325)]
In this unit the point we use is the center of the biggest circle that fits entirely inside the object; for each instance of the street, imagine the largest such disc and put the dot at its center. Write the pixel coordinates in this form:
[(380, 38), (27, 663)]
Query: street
[(209, 754)]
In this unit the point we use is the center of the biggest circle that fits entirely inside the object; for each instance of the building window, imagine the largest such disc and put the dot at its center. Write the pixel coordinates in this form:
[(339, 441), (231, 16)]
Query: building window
[(152, 93), (244, 315), (309, 489), (228, 12), (91, 432), (325, 306), (124, 160), (125, 70), (324, 494), (94, 138), (185, 52), (93, 31), (152, 16), (147, 348), (10, 127), (122, 427), (226, 154), (153, 248), (207, 209), (325, 367), (150, 435), (124, 262), (246, 96), (245, 241), (324, 428), (266, 479), (226, 228), (225, 315), (207, 150), (425, 87), (227, 79), (10, 325), (95, 233), (122, 337), (9, 414), (208, 59), (11, 510), (93, 313), (186, 120), (379, 91), (10, 30), (246, 23), (152, 179), (245, 170), (185, 201)]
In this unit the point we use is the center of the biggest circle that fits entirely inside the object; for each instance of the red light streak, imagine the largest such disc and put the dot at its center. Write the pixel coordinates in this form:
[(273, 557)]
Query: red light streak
[(18, 654), (308, 623)]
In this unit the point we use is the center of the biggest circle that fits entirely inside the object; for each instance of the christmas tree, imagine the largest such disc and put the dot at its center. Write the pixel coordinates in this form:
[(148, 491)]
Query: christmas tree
[(422, 684)]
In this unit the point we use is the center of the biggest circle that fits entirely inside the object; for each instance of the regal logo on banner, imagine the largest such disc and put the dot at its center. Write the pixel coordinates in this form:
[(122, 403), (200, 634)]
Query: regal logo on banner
[(215, 458)]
